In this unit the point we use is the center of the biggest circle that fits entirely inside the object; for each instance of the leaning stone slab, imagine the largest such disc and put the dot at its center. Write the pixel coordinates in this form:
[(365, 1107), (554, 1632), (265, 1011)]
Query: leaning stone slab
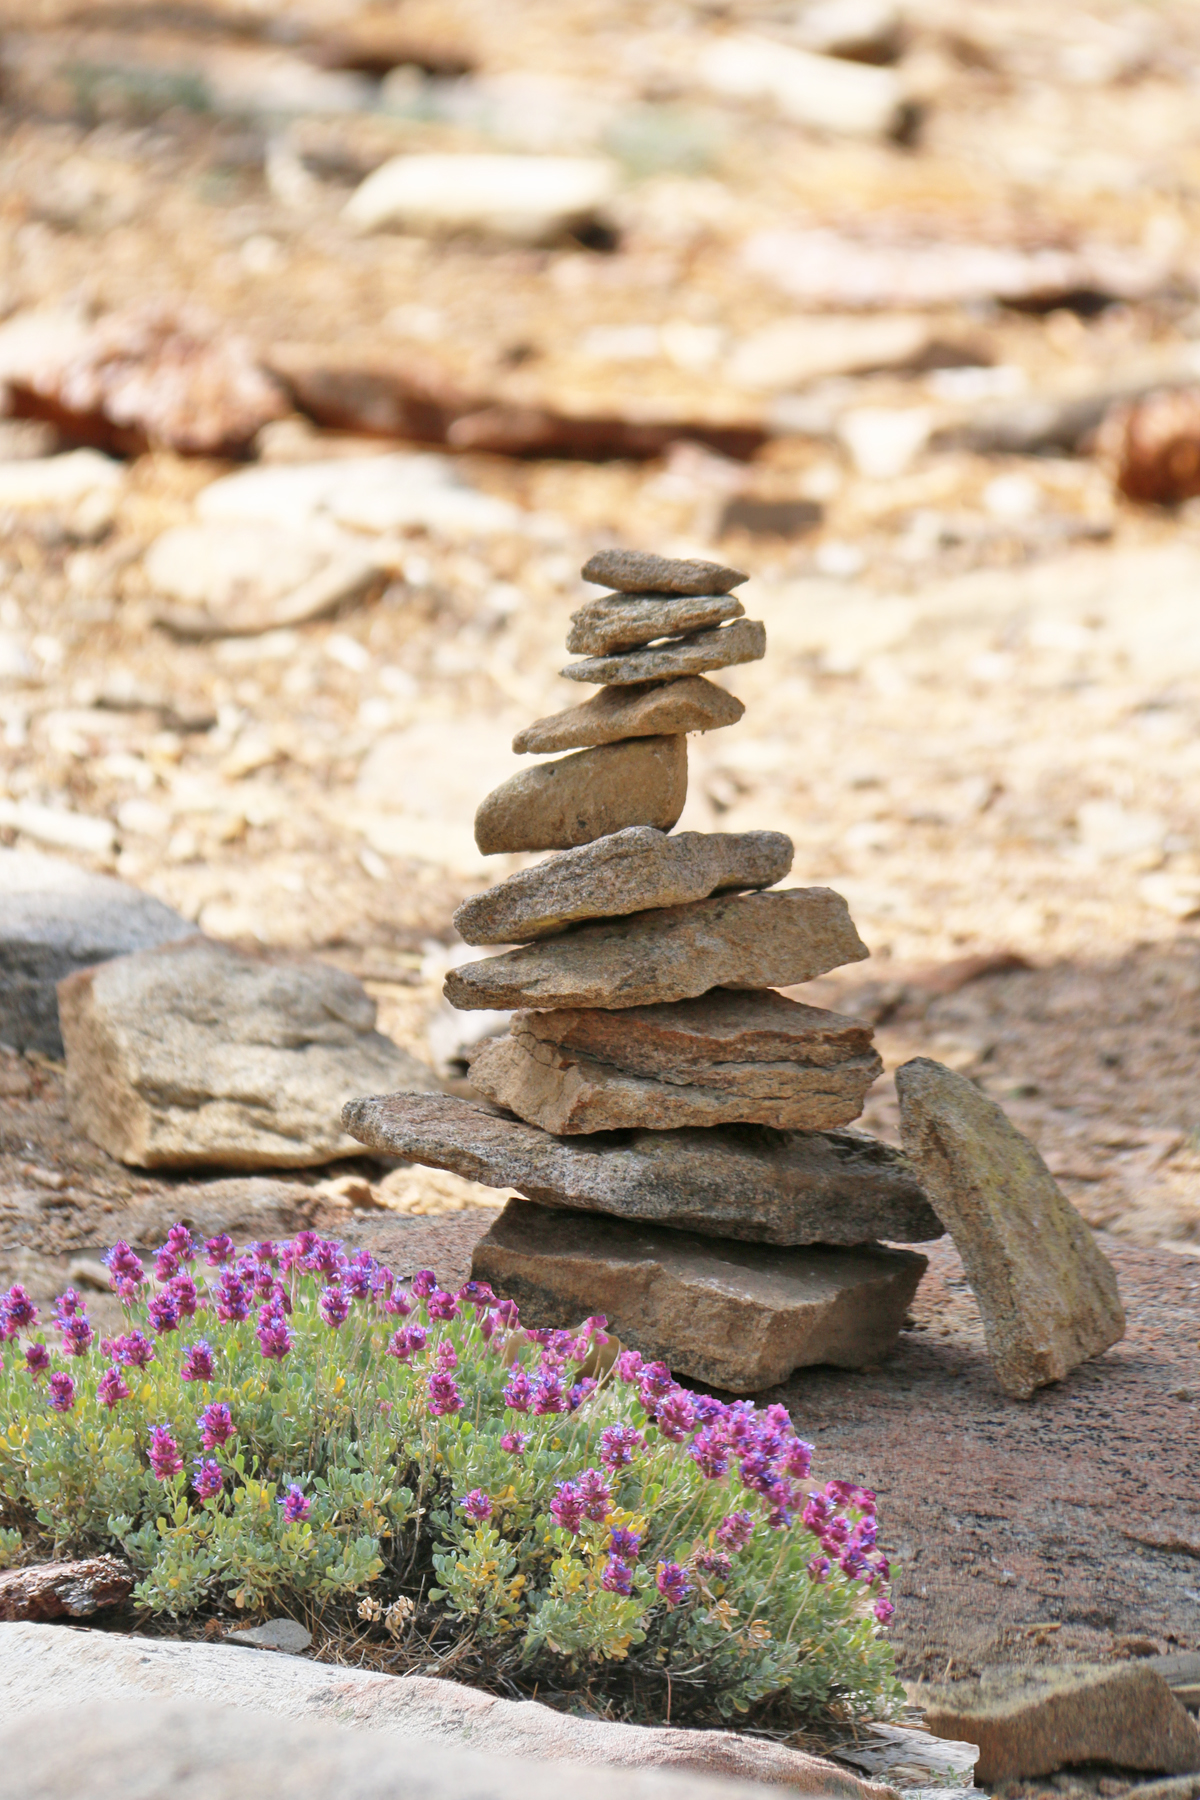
[(1031, 1722), (198, 1055), (627, 871), (566, 1093), (558, 805), (624, 621), (640, 571), (56, 918), (742, 642), (1047, 1295), (649, 709), (741, 1316), (776, 939), (242, 1722), (771, 1187)]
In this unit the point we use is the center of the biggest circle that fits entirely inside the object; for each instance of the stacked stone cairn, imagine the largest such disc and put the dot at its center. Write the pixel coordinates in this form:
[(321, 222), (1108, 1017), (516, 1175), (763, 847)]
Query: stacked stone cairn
[(674, 1126)]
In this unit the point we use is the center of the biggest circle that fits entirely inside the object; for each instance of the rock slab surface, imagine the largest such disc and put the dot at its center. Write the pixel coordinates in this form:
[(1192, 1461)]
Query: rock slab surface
[(280, 1712), (64, 1590), (1047, 1294), (559, 805), (564, 1091), (778, 939), (741, 1316), (627, 871), (738, 1182), (742, 642), (649, 709), (56, 918), (624, 621), (1034, 1721), (199, 1055), (640, 571)]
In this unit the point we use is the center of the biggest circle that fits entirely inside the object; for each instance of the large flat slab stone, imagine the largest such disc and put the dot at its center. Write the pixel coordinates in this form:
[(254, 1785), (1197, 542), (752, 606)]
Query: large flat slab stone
[(625, 621), (778, 939), (1047, 1294), (641, 571), (566, 1092), (741, 1316), (836, 1187), (199, 1055), (56, 918), (646, 709), (742, 642), (627, 871), (558, 805)]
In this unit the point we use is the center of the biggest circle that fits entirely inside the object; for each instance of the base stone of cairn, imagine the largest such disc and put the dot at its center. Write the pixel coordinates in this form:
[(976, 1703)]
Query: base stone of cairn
[(674, 1126)]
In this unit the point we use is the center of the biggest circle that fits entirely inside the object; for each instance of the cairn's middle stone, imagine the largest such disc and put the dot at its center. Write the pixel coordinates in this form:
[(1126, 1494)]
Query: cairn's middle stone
[(641, 709), (558, 805), (624, 621), (742, 642)]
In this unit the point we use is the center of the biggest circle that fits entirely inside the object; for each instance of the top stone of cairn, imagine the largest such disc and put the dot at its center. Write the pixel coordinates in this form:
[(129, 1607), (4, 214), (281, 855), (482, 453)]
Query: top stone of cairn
[(640, 572)]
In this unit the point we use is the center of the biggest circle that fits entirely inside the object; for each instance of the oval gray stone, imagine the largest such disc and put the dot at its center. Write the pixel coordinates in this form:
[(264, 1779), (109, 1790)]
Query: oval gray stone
[(559, 805), (623, 621), (640, 571), (648, 709), (742, 642)]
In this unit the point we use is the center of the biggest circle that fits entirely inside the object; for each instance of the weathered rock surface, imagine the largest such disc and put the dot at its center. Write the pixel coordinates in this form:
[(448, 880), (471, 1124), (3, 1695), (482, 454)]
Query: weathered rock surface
[(64, 1590), (1047, 1295), (198, 1055), (743, 1182), (623, 621), (56, 918), (651, 709), (742, 642), (642, 572), (741, 1316), (230, 578), (288, 1635), (524, 199), (266, 1722), (628, 871), (558, 805), (566, 1092), (776, 939), (1034, 1721)]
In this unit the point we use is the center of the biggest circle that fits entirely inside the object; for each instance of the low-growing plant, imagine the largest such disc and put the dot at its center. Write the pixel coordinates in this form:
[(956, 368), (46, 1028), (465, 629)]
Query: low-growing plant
[(293, 1427)]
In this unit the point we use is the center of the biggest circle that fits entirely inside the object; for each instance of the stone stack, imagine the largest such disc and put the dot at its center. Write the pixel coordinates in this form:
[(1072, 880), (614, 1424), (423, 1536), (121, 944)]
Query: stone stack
[(675, 1127)]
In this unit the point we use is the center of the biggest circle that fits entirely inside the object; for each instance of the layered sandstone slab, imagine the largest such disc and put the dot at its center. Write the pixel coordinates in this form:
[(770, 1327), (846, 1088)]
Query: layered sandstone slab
[(743, 1182), (740, 1316), (776, 939), (640, 571), (646, 709), (625, 872), (565, 1092), (558, 805), (624, 621), (742, 642)]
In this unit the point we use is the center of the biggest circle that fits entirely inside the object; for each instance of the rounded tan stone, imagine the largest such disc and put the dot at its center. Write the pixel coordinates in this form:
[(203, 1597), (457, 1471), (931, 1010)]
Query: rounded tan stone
[(742, 642), (559, 805), (646, 709)]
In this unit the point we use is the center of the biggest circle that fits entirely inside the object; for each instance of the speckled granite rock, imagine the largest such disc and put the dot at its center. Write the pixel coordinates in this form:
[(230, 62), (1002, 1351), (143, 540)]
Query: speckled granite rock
[(645, 709), (623, 621), (742, 642), (558, 805), (640, 571)]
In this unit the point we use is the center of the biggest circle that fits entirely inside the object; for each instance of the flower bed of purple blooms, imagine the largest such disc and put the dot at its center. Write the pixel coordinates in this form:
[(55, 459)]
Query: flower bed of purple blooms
[(291, 1426)]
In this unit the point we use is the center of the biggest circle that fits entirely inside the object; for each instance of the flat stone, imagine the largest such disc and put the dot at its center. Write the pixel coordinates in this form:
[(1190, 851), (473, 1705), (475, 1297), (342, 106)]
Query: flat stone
[(238, 577), (56, 918), (628, 871), (640, 571), (740, 1316), (777, 939), (64, 1590), (649, 709), (559, 805), (1047, 1295), (1034, 1721), (238, 1722), (566, 1092), (520, 199), (836, 1187), (199, 1055), (623, 621), (742, 642), (287, 1635)]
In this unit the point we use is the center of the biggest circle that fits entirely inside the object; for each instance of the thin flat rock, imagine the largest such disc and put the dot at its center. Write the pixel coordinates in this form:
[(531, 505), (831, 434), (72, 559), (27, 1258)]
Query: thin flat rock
[(558, 805), (625, 872), (640, 571), (740, 1316), (646, 709), (564, 1092), (742, 642), (1047, 1293), (777, 939), (623, 621), (760, 1186)]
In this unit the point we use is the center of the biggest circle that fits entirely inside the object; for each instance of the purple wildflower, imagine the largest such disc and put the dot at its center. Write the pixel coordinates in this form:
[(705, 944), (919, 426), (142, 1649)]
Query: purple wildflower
[(884, 1610), (816, 1512), (77, 1336), (19, 1310), (166, 1265), (233, 1298), (123, 1264), (549, 1393), (444, 1396), (818, 1568), (406, 1342), (424, 1282), (736, 1530), (218, 1250), (163, 1454), (568, 1507), (441, 1305), (62, 1391), (836, 1530), (397, 1302), (164, 1312), (111, 1387), (326, 1258), (865, 1533), (623, 1543), (296, 1507), (37, 1359), (840, 1491), (655, 1381), (477, 1505), (708, 1410), (716, 1564), (274, 1333), (672, 1583), (182, 1288), (293, 1253), (579, 1393), (798, 1458), (519, 1392), (676, 1416), (508, 1313), (197, 1364), (67, 1305), (181, 1243), (134, 1349), (619, 1444), (477, 1293), (515, 1442), (446, 1355), (629, 1365), (854, 1563), (597, 1495), (708, 1452), (617, 1577), (216, 1425), (334, 1305), (209, 1478)]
